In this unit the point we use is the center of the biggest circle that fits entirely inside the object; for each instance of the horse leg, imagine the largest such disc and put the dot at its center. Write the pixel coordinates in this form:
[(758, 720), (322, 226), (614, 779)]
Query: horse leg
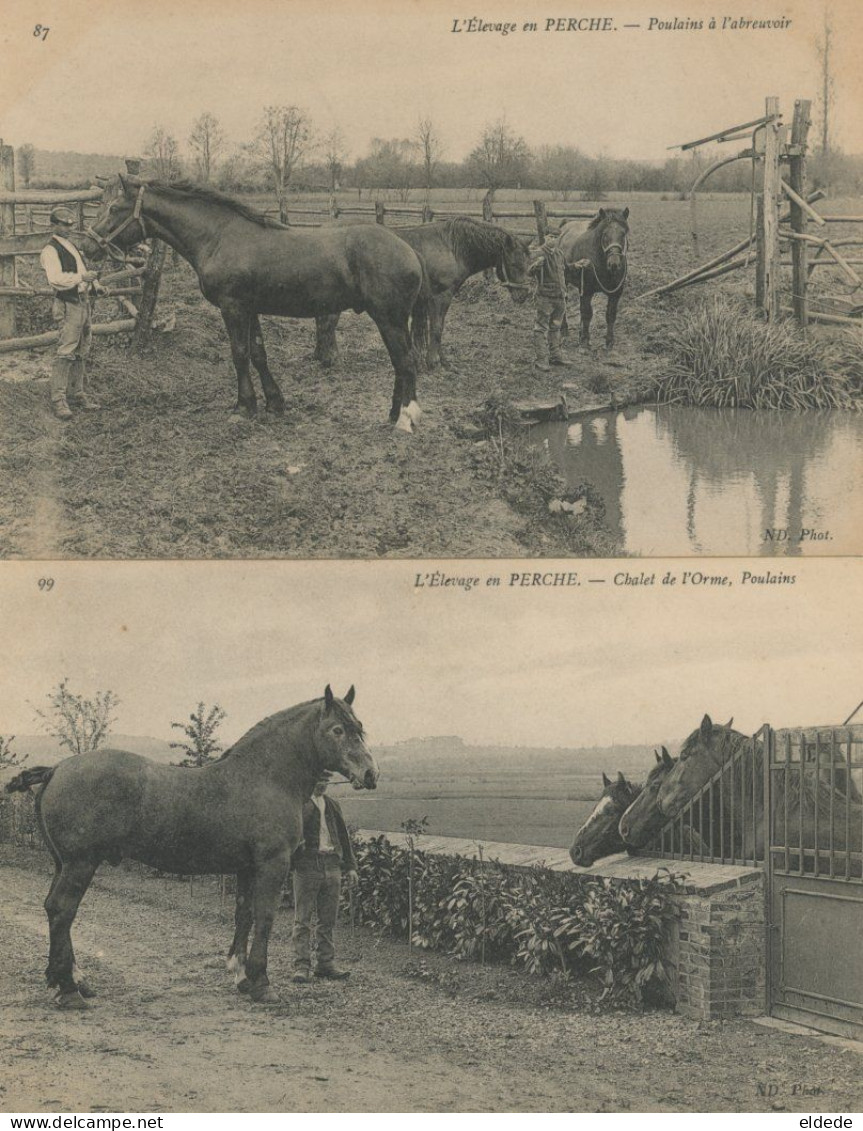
[(272, 392), (266, 888), (242, 927), (238, 325), (405, 411), (61, 906), (610, 318), (586, 305), (326, 344)]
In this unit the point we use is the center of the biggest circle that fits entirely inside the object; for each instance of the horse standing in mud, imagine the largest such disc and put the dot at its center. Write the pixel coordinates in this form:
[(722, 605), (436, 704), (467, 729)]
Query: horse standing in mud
[(596, 261), (452, 251), (248, 265), (240, 814)]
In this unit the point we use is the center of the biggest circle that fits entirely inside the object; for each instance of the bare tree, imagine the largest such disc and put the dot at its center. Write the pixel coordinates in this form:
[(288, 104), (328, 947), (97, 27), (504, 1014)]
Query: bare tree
[(78, 724), (8, 756), (163, 153), (335, 153), (389, 166), (500, 158), (284, 138), (200, 731), (207, 142), (431, 150), (25, 163)]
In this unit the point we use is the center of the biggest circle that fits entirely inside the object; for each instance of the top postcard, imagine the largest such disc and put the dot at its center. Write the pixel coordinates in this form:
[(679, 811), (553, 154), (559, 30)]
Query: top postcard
[(378, 279)]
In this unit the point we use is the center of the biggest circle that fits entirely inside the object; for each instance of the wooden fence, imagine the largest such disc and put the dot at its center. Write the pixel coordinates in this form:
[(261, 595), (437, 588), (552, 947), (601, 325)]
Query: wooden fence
[(775, 233), (24, 230)]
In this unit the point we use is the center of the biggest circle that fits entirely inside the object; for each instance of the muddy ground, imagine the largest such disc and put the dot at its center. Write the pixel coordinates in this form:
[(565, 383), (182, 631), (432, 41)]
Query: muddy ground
[(166, 471), (407, 1032)]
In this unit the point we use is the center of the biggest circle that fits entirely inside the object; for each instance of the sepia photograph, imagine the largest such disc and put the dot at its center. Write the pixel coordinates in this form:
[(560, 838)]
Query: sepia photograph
[(398, 280), (326, 837)]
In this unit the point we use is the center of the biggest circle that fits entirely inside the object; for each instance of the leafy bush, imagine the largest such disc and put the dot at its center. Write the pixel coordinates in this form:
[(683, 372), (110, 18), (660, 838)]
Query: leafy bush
[(724, 357), (538, 920)]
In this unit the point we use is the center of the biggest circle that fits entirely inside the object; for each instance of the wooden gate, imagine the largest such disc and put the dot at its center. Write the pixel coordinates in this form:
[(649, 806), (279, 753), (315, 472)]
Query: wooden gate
[(814, 864)]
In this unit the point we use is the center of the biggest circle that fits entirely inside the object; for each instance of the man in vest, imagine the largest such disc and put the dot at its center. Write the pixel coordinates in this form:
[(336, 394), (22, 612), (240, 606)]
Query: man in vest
[(548, 268), (72, 284), (323, 857)]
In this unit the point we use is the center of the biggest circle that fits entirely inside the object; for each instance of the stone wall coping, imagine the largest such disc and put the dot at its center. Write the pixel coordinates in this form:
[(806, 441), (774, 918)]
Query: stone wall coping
[(697, 878)]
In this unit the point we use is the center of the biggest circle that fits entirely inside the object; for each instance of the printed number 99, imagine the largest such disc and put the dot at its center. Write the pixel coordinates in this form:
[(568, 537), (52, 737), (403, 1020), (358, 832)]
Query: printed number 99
[(46, 584), (40, 32)]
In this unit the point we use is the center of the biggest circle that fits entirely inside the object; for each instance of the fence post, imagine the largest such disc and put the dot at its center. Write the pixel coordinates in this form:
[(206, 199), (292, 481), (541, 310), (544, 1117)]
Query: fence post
[(797, 180), (428, 215), (540, 213), (8, 273), (488, 215), (334, 208), (151, 280), (379, 212), (770, 218)]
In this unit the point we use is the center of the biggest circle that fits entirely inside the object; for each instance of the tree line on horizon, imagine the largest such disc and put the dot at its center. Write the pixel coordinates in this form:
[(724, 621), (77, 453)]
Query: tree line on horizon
[(288, 156)]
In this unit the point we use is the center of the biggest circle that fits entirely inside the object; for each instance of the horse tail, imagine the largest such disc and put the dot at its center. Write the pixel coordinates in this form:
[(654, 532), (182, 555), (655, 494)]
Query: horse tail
[(420, 324), (36, 775)]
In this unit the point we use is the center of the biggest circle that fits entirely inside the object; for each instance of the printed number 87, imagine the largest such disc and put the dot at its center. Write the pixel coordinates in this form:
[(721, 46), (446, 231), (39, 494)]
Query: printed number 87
[(40, 32)]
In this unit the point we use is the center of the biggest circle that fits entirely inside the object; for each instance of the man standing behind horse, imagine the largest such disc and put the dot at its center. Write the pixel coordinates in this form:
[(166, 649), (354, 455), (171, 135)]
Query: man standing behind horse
[(72, 284), (548, 267), (323, 857)]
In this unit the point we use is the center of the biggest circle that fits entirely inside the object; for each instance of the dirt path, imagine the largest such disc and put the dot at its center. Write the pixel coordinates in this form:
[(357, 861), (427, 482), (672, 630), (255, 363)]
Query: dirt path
[(406, 1033)]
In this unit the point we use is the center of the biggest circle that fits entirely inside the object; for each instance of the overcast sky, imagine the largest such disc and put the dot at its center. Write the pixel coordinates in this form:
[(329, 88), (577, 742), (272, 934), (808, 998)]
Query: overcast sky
[(110, 69), (588, 665)]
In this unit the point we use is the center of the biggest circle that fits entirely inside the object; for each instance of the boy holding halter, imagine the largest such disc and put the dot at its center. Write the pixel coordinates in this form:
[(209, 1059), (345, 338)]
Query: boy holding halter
[(548, 268)]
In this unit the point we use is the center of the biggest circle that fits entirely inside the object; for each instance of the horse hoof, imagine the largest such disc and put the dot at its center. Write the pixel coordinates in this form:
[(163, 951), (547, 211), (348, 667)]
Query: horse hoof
[(404, 423), (71, 1000), (264, 995), (244, 986), (85, 989)]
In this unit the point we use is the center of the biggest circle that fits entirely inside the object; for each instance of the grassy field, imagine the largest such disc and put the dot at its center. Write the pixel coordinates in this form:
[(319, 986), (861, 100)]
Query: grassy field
[(163, 471), (545, 810)]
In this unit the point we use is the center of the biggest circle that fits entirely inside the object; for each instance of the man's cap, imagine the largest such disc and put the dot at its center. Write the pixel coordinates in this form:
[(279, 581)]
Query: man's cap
[(63, 216)]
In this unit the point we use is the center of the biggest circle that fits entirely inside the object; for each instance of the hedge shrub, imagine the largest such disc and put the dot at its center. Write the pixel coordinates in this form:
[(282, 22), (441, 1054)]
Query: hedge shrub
[(538, 920)]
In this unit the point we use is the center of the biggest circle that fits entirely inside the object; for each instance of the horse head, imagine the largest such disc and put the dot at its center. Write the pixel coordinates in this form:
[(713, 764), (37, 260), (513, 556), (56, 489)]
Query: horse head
[(119, 224), (613, 227), (339, 742), (643, 819), (701, 755), (598, 836), (512, 267)]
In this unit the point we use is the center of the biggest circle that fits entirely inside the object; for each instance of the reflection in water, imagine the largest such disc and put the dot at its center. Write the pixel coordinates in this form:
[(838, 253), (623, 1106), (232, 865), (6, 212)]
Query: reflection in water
[(681, 480)]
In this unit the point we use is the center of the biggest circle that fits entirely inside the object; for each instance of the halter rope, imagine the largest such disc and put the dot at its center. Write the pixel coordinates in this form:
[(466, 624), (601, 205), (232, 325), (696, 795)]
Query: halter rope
[(107, 243), (621, 247)]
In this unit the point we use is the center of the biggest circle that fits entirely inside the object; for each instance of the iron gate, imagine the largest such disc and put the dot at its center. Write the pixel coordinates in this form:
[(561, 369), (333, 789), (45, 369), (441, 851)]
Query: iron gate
[(814, 865)]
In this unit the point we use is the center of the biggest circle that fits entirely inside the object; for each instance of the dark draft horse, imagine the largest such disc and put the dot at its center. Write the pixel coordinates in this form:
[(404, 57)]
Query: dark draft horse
[(596, 261), (241, 814), (248, 265), (451, 250)]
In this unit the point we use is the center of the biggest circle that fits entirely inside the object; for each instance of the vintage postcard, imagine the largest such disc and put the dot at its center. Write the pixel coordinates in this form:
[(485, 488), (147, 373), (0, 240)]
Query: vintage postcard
[(339, 304), (511, 733)]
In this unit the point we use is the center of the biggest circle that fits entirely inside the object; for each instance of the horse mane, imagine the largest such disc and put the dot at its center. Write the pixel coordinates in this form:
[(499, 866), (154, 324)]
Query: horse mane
[(193, 190), (605, 215), (471, 239), (265, 727), (816, 791)]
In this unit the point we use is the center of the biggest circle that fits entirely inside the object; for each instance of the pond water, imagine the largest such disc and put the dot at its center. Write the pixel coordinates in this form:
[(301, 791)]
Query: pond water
[(679, 480)]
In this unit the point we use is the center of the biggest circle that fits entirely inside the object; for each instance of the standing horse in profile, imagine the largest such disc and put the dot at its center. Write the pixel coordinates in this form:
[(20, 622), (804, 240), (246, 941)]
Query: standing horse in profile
[(240, 814), (248, 265), (596, 261), (451, 250)]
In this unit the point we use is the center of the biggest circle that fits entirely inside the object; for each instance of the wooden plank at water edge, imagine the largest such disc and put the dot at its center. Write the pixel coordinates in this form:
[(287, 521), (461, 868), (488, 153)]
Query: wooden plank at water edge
[(544, 410)]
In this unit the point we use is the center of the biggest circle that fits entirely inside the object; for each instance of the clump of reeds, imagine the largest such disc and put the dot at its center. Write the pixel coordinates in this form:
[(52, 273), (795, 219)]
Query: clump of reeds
[(724, 357)]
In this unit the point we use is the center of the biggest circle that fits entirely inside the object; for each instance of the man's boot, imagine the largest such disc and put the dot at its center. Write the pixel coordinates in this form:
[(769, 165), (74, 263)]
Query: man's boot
[(79, 397), (554, 351), (540, 351), (61, 369)]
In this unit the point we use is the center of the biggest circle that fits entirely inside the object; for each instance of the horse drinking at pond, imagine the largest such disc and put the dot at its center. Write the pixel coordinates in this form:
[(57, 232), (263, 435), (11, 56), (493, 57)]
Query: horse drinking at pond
[(451, 250), (599, 836), (241, 814), (596, 261), (248, 265)]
